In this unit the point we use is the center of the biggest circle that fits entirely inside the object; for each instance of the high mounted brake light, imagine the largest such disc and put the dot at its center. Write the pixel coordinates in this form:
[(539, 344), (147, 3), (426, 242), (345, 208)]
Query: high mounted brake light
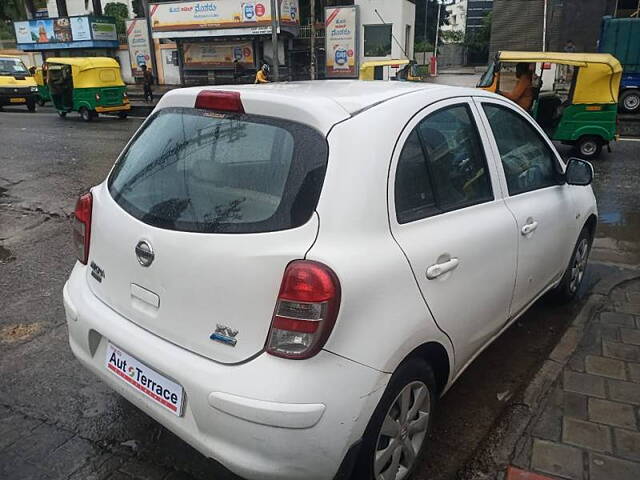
[(82, 226), (306, 310), (220, 101)]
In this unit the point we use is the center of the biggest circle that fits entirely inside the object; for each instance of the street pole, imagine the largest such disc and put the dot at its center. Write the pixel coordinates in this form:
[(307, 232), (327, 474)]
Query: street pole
[(274, 40), (426, 11), (435, 47), (544, 28), (312, 69), (152, 44)]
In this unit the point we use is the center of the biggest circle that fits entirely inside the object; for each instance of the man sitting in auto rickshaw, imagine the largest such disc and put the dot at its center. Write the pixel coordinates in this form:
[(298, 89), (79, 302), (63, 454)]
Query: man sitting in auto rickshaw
[(522, 93)]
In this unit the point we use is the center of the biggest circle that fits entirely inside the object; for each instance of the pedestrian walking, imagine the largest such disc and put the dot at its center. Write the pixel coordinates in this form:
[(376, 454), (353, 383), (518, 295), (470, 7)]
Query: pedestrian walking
[(147, 82)]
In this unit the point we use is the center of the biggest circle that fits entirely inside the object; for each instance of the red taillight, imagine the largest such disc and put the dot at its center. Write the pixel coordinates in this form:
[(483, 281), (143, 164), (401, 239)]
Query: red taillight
[(306, 310), (546, 66), (82, 226), (220, 100)]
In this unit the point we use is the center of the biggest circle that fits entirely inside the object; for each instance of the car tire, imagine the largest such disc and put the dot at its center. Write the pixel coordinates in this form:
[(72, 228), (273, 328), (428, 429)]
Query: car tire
[(574, 274), (396, 435), (122, 115), (31, 106), (85, 114), (630, 101), (589, 147)]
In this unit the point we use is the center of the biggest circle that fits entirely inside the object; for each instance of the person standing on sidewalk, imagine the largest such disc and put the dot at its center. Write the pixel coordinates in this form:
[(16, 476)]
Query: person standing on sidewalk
[(147, 82)]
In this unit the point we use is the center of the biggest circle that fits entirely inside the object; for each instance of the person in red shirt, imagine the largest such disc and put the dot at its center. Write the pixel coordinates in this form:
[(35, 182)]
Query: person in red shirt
[(522, 93)]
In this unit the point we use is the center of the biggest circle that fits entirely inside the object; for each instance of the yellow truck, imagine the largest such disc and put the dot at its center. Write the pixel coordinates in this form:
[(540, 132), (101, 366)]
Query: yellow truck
[(17, 85)]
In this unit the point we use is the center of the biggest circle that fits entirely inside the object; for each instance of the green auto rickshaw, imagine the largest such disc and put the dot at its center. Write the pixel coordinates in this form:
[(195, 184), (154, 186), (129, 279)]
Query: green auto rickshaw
[(43, 89), (88, 85), (575, 95)]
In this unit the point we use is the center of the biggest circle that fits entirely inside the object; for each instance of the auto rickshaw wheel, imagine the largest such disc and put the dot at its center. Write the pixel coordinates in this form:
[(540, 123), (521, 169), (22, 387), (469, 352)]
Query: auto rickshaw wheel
[(589, 147), (62, 114), (85, 114), (122, 115), (630, 101), (31, 106)]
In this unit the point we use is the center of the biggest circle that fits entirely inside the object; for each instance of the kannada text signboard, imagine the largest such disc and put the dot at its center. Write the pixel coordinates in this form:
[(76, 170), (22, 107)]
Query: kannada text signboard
[(341, 41), (218, 14)]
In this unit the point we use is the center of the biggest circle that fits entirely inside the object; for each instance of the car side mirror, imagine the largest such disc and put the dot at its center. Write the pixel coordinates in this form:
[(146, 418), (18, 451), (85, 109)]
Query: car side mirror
[(578, 172)]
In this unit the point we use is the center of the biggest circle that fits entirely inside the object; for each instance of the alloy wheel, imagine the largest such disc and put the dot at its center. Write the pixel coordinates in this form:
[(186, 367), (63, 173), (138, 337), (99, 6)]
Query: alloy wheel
[(631, 102), (588, 148), (402, 433), (579, 265)]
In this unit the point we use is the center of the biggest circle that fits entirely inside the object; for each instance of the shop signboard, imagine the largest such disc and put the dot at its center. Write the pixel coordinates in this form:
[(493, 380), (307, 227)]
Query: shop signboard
[(204, 55), (139, 46), (103, 28), (218, 14), (341, 41)]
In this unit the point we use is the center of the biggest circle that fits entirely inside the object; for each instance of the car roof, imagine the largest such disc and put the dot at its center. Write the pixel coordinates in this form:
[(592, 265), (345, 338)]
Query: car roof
[(319, 103)]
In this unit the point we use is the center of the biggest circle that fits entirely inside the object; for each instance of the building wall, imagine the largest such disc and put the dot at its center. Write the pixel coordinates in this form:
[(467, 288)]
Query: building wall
[(76, 7), (517, 24), (400, 13), (457, 19), (476, 10)]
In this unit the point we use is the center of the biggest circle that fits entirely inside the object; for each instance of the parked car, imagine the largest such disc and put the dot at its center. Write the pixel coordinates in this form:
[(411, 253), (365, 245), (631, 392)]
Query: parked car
[(290, 276)]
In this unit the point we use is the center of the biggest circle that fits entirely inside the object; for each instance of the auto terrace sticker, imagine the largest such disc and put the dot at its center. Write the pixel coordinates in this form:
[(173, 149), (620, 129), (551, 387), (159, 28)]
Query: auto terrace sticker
[(153, 385)]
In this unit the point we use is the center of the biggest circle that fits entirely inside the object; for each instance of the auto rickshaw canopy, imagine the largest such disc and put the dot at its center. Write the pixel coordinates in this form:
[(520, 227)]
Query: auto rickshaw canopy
[(367, 69), (598, 76), (91, 72)]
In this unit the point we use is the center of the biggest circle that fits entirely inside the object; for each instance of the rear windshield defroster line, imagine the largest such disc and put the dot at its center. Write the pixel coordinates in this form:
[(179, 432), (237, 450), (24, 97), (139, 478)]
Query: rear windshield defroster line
[(198, 171)]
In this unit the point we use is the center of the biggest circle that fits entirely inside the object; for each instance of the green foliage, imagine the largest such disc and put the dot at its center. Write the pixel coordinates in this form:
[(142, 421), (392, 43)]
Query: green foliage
[(452, 36), (138, 10), (12, 10), (480, 39), (423, 47), (432, 15), (120, 12)]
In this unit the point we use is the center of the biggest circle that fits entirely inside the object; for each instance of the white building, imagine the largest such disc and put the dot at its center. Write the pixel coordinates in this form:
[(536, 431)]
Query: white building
[(387, 34), (77, 7), (457, 19)]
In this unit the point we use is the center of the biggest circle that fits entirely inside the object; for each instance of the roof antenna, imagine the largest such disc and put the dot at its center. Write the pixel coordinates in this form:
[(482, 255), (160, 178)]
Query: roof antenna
[(392, 35)]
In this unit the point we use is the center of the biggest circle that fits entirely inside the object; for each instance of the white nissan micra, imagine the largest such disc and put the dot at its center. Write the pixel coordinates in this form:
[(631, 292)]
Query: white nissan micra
[(289, 276)]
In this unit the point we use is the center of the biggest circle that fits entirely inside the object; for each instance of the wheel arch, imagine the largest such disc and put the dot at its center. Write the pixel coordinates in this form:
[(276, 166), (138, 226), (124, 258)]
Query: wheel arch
[(590, 225), (435, 354)]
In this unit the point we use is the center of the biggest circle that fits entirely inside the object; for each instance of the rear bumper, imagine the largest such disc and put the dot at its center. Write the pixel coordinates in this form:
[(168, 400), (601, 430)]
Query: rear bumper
[(117, 108), (5, 98), (268, 418)]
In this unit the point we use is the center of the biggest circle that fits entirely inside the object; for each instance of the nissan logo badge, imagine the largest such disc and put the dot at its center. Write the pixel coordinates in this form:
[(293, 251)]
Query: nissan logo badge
[(145, 254)]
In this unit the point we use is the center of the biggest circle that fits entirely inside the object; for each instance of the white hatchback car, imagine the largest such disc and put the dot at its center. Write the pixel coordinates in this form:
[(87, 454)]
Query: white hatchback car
[(289, 276)]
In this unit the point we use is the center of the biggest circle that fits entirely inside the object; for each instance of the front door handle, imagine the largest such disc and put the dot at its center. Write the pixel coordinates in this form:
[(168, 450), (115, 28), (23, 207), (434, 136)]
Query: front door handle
[(434, 271), (529, 228)]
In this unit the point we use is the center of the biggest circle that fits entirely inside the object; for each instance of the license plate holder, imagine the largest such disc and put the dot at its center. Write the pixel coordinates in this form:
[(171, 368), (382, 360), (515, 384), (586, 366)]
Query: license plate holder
[(147, 381)]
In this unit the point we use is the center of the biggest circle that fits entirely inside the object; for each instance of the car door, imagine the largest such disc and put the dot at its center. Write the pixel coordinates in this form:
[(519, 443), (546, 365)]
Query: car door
[(537, 196), (447, 215)]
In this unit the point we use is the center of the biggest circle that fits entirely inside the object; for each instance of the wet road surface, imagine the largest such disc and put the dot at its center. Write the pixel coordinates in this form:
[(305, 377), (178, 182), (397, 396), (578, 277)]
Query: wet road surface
[(59, 421)]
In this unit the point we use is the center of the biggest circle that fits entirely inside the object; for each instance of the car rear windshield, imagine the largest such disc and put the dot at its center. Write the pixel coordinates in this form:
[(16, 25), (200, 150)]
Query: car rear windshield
[(200, 171)]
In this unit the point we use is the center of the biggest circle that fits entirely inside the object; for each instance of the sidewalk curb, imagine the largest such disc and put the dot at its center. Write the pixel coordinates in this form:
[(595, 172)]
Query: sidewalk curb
[(491, 459)]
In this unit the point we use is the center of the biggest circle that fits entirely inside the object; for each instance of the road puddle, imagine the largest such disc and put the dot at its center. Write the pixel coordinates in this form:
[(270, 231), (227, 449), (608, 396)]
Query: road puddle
[(5, 255)]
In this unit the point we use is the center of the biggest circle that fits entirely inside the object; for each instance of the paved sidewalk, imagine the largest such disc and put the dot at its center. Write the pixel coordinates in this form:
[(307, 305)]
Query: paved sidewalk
[(588, 428)]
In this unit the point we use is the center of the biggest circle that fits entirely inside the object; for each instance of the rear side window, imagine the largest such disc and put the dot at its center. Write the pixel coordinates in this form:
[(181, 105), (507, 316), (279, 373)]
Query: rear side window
[(442, 166), (198, 171)]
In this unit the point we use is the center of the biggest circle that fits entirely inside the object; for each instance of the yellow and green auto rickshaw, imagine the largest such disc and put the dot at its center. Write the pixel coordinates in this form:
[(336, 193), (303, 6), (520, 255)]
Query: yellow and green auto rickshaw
[(17, 86), (89, 86), (575, 95), (43, 89), (403, 70)]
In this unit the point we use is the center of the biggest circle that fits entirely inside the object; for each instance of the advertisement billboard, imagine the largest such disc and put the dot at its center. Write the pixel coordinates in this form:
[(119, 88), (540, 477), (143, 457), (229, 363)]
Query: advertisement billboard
[(139, 46), (103, 28), (80, 29), (214, 14), (341, 41), (43, 30), (217, 54)]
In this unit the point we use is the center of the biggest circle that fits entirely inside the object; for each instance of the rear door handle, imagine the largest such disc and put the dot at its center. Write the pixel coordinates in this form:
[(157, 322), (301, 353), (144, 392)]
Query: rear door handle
[(529, 227), (434, 271)]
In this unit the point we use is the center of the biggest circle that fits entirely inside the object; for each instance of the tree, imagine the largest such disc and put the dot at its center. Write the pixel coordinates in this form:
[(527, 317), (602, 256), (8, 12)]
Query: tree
[(477, 42), (120, 12), (432, 15)]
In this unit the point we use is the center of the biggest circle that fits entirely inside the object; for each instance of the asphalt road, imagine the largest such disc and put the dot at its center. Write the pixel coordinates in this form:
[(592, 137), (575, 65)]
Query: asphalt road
[(57, 421)]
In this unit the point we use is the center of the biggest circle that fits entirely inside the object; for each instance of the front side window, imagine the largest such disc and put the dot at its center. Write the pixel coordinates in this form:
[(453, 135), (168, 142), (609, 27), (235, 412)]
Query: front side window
[(442, 166), (199, 171), (377, 40), (528, 162), (12, 66)]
